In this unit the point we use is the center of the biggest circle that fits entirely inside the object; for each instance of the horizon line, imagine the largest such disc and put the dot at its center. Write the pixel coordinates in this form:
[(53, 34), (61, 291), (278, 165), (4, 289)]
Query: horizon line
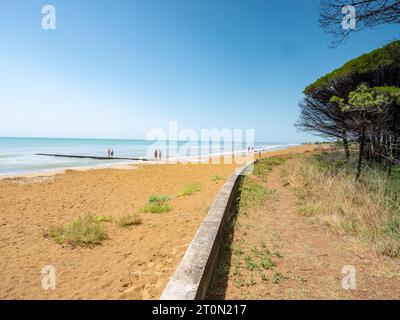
[(129, 139)]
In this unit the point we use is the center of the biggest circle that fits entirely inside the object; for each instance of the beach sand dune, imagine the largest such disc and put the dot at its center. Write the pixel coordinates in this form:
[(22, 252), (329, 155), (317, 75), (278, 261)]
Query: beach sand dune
[(135, 262)]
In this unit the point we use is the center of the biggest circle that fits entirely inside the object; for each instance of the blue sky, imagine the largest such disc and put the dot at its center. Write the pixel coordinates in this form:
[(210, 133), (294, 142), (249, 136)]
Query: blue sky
[(115, 69)]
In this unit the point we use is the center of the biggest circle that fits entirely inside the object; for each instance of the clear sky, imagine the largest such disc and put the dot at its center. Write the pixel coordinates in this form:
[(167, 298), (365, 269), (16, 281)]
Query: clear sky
[(115, 69)]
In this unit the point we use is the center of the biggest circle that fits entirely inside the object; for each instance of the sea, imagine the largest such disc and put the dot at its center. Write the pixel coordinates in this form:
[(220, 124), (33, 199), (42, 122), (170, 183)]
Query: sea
[(19, 155)]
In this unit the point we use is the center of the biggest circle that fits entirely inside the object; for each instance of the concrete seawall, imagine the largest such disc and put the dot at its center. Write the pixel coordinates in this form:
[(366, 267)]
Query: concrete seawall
[(193, 275)]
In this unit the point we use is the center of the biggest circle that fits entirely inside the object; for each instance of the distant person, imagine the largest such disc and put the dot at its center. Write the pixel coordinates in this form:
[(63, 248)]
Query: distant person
[(259, 154), (112, 153), (159, 153), (156, 154), (109, 153)]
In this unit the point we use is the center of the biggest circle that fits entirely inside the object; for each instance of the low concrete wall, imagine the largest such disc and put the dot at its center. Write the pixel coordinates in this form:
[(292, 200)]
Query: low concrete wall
[(192, 277)]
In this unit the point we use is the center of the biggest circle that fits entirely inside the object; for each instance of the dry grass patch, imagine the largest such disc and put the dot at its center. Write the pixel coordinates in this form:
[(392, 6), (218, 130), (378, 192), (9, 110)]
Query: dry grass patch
[(309, 211), (103, 218), (326, 188), (129, 220)]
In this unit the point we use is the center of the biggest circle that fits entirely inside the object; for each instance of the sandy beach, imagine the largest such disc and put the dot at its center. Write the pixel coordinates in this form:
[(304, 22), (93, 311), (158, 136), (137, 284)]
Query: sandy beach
[(135, 262)]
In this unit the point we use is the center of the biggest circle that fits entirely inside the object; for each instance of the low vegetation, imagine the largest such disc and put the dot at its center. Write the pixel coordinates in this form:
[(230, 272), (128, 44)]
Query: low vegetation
[(103, 218), (88, 230), (247, 265), (217, 178), (253, 194), (83, 231), (189, 189), (264, 166), (369, 208), (129, 220), (259, 260), (157, 204), (278, 277)]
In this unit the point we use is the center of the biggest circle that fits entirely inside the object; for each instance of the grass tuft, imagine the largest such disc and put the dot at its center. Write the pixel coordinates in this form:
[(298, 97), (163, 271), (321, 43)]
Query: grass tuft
[(129, 220), (103, 218), (278, 277), (189, 189), (250, 264), (83, 231), (308, 211), (217, 178), (157, 204)]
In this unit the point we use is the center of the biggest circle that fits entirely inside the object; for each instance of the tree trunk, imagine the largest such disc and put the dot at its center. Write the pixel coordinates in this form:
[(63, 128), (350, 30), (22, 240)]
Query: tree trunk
[(346, 148), (389, 171), (346, 144), (361, 152), (388, 177)]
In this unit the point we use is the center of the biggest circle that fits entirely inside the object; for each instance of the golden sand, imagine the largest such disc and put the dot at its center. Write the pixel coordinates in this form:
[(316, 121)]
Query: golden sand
[(135, 262)]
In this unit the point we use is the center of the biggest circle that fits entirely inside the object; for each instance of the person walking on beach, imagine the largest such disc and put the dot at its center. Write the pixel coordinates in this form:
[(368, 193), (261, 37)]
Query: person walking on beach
[(108, 153), (156, 154), (112, 153)]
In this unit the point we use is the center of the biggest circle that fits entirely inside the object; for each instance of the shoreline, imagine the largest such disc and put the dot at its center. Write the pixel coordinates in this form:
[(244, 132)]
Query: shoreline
[(133, 165), (54, 172)]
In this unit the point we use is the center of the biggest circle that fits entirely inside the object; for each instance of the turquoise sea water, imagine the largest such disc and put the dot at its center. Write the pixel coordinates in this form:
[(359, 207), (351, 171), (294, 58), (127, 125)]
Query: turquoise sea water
[(17, 155)]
